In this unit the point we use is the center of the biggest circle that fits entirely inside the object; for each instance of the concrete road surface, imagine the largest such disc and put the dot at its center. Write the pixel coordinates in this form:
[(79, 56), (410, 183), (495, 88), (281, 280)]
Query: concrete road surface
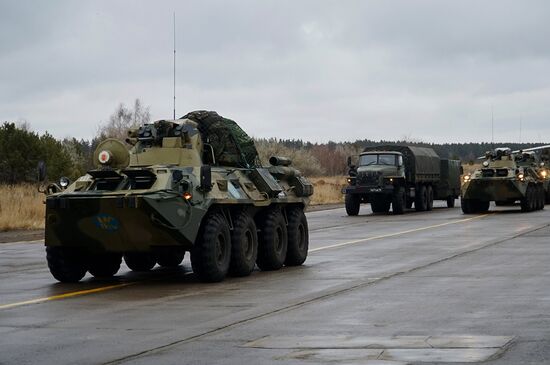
[(422, 288)]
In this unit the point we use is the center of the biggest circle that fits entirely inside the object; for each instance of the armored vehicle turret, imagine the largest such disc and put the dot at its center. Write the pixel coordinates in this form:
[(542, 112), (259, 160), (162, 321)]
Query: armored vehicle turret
[(505, 177), (189, 185)]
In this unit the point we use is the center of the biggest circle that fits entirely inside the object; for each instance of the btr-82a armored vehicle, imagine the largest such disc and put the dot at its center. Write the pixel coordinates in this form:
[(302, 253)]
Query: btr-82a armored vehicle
[(189, 185), (504, 178)]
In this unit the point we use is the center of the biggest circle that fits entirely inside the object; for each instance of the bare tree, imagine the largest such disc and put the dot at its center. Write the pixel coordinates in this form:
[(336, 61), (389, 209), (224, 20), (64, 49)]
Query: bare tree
[(123, 119)]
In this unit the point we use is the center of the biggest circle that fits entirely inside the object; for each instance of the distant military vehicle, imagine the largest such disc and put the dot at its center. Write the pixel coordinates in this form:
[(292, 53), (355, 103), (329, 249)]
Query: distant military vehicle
[(193, 184), (504, 178), (400, 176)]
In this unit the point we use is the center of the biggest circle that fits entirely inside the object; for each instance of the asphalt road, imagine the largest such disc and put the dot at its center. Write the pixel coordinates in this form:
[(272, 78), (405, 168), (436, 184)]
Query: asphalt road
[(421, 288)]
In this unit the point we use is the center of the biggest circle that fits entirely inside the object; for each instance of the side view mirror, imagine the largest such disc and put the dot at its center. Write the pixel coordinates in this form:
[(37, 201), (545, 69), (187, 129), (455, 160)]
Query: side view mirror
[(206, 178), (349, 161), (41, 169)]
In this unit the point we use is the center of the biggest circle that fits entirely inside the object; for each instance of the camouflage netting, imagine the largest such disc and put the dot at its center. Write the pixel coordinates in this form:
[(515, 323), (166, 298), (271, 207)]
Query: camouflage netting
[(231, 145)]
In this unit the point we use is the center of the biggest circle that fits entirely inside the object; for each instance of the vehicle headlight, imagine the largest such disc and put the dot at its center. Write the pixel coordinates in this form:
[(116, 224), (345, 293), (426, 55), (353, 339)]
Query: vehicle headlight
[(543, 173), (64, 182), (520, 176), (485, 163), (466, 177)]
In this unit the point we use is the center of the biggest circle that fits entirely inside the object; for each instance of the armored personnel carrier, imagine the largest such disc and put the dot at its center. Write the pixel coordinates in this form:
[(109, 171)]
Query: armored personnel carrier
[(189, 185), (504, 178)]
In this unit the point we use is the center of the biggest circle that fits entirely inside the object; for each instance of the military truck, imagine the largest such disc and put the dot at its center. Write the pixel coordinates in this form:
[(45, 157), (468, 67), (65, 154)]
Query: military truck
[(400, 176), (189, 185), (505, 178)]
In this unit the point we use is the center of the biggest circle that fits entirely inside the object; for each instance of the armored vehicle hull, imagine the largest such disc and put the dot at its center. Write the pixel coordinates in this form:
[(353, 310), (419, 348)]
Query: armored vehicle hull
[(170, 195), (505, 178)]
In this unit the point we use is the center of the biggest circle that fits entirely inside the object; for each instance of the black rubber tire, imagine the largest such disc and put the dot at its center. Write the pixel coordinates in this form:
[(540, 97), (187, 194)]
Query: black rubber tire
[(211, 254), (398, 201), (170, 258), (429, 198), (467, 206), (541, 197), (67, 265), (421, 199), (451, 201), (527, 201), (244, 245), (272, 241), (353, 204), (482, 206), (380, 204), (140, 261), (298, 237), (104, 265)]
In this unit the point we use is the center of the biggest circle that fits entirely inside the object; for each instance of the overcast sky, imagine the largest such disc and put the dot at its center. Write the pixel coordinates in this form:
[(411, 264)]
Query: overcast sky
[(315, 70)]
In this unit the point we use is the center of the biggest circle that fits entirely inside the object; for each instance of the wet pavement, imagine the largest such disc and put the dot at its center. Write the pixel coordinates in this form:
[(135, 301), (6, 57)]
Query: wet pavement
[(422, 288)]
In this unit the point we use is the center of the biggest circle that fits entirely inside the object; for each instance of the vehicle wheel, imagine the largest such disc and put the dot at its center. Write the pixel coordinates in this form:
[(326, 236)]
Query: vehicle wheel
[(105, 265), (353, 204), (140, 261), (211, 254), (421, 199), (398, 201), (527, 201), (482, 206), (244, 245), (170, 258), (430, 197), (541, 197), (451, 201), (466, 205), (273, 241), (298, 237), (380, 204), (67, 265)]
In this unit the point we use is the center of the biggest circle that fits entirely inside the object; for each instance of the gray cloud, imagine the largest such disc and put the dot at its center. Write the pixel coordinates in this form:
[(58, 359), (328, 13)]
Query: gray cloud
[(316, 70)]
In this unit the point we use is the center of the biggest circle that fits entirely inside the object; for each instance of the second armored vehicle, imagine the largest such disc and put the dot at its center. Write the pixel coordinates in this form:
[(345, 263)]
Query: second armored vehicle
[(189, 185), (400, 176), (504, 178)]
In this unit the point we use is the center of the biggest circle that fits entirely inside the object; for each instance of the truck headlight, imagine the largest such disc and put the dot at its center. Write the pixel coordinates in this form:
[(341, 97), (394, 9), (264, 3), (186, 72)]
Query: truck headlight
[(466, 177), (64, 182)]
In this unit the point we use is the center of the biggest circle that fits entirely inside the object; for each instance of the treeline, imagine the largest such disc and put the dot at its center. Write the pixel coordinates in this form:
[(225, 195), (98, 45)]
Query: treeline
[(21, 149)]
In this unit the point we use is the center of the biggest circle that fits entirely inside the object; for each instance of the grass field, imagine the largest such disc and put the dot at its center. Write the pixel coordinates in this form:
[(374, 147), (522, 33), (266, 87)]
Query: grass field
[(328, 189), (21, 207)]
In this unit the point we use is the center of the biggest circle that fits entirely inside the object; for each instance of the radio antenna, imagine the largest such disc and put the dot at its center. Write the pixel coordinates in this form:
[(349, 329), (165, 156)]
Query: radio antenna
[(520, 125), (492, 128), (174, 65)]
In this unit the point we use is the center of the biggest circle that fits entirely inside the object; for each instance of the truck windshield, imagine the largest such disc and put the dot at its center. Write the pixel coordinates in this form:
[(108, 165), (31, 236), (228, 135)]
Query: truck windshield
[(381, 159)]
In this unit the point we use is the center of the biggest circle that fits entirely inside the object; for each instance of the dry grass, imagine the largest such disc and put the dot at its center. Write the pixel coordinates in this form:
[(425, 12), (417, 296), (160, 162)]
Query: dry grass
[(21, 207), (328, 189)]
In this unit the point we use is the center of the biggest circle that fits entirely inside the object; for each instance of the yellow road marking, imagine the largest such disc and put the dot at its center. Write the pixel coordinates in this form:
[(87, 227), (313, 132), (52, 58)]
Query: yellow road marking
[(395, 234), (63, 296), (110, 287)]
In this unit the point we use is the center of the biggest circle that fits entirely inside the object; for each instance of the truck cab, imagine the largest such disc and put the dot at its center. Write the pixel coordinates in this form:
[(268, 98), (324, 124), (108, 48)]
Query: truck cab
[(379, 170)]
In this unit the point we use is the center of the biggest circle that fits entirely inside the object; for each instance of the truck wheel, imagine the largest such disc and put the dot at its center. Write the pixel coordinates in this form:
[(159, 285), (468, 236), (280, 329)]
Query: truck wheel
[(298, 238), (211, 254), (380, 204), (105, 265), (466, 205), (482, 206), (451, 202), (170, 258), (398, 201), (421, 199), (66, 265), (244, 245), (429, 197), (140, 261), (526, 202), (273, 241), (353, 204), (541, 197)]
